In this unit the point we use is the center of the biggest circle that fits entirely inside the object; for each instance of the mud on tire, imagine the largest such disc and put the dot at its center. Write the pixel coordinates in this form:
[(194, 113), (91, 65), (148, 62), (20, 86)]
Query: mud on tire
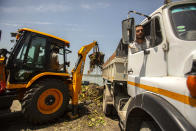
[(45, 101)]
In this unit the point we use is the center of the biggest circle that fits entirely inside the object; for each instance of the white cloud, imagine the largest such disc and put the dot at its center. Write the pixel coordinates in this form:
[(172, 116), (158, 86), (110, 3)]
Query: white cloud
[(86, 6), (41, 8), (9, 24), (103, 5), (38, 22), (72, 25), (25, 23), (94, 6), (96, 36), (74, 29), (52, 8)]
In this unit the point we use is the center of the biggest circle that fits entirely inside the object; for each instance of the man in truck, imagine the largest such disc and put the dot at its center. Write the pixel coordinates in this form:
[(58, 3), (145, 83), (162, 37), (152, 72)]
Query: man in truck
[(141, 41)]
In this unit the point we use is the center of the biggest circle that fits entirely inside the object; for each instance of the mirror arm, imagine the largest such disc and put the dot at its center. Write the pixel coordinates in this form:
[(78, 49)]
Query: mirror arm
[(131, 11)]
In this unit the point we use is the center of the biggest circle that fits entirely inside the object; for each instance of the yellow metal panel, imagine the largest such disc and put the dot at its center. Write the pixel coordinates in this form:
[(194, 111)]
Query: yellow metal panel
[(2, 59), (42, 33), (45, 74), (14, 86)]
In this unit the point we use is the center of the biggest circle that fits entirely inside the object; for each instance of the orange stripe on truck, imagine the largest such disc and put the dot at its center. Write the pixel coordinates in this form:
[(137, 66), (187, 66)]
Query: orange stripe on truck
[(176, 96)]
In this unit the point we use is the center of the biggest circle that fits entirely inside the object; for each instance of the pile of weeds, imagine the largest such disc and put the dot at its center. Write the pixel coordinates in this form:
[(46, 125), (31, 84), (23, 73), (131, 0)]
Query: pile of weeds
[(91, 96)]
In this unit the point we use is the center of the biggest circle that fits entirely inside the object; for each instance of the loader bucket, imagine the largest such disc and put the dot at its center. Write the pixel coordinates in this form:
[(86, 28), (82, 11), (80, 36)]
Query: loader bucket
[(96, 59)]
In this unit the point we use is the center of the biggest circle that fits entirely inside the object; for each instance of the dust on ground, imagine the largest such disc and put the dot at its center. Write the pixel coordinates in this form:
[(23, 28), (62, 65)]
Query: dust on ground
[(91, 116)]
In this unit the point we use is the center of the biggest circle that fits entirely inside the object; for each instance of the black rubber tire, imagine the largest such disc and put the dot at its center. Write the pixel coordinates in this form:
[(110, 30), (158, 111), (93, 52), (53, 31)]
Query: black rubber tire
[(30, 101)]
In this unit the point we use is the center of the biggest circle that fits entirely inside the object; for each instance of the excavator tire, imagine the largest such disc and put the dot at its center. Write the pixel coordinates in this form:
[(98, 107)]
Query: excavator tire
[(46, 100)]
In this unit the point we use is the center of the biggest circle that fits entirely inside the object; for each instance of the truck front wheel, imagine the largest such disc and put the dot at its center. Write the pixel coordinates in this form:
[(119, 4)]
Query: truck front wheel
[(45, 101)]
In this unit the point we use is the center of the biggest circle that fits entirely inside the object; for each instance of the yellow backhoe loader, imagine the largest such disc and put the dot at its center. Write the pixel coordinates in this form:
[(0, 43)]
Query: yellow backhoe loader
[(32, 74)]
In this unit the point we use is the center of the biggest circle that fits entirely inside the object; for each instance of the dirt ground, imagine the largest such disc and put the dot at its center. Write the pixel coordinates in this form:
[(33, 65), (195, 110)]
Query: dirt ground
[(91, 117)]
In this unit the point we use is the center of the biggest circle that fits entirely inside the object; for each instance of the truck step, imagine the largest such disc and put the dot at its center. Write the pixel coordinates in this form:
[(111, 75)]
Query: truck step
[(122, 108), (122, 102)]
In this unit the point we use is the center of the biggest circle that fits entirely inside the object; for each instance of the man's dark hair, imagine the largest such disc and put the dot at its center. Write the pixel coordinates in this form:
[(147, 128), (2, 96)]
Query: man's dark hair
[(138, 26), (55, 49)]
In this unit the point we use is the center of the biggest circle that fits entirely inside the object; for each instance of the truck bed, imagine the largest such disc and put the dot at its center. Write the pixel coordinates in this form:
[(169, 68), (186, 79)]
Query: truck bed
[(115, 69)]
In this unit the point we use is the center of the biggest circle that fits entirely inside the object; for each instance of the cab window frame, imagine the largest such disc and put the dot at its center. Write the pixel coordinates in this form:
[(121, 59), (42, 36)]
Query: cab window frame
[(60, 45), (152, 30)]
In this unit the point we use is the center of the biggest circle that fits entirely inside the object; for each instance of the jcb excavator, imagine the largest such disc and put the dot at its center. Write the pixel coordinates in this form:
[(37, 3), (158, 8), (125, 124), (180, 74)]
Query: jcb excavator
[(26, 74)]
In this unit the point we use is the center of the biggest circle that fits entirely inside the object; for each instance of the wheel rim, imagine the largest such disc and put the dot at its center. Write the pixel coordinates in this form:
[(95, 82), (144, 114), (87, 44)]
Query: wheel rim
[(50, 101)]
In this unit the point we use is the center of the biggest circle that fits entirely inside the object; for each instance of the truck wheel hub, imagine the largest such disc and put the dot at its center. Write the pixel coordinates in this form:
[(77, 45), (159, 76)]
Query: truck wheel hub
[(50, 100)]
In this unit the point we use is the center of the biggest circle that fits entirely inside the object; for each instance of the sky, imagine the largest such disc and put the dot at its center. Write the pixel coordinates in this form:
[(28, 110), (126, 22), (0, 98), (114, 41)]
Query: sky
[(78, 21)]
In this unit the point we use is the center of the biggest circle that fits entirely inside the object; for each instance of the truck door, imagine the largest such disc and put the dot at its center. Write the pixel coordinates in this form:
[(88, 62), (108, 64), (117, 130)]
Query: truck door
[(150, 62), (156, 59)]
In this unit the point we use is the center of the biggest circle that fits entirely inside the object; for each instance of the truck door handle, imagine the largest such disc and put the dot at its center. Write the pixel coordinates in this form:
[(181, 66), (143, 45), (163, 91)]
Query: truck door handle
[(146, 52), (130, 71)]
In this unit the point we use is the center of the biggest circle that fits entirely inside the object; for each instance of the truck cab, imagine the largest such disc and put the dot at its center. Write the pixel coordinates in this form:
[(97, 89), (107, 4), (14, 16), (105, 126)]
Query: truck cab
[(170, 60), (160, 89)]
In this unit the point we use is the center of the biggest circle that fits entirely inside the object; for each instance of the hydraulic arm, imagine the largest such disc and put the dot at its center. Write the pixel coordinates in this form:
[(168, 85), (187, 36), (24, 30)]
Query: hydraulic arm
[(77, 74)]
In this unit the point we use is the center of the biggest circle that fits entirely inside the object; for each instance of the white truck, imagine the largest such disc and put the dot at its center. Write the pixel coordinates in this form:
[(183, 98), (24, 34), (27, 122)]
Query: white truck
[(155, 89)]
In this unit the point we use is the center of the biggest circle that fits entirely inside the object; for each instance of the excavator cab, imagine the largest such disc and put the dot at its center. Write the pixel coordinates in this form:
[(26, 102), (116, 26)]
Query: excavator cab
[(32, 55), (35, 73)]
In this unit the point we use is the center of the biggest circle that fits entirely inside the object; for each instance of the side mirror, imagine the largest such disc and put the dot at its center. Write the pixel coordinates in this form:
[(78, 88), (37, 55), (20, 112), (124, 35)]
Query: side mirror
[(13, 34), (128, 30)]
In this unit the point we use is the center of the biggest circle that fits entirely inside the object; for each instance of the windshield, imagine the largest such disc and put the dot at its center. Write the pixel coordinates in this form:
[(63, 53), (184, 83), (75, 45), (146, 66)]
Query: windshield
[(184, 21), (16, 45)]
